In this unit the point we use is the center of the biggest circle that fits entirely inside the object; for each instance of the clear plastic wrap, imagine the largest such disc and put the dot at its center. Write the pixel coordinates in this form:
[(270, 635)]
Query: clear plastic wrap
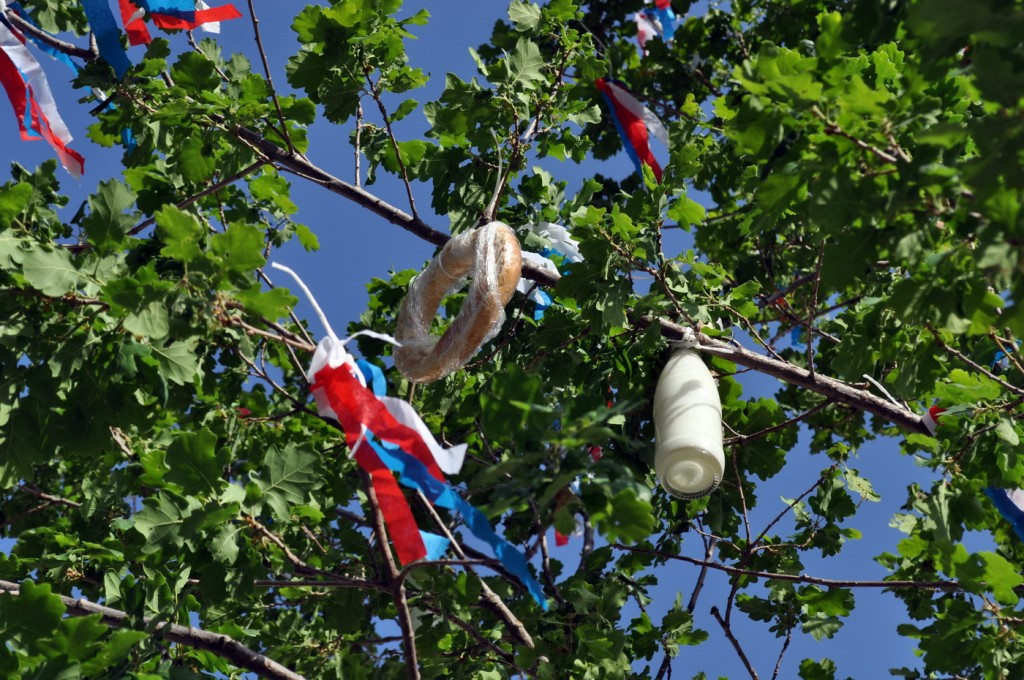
[(492, 257)]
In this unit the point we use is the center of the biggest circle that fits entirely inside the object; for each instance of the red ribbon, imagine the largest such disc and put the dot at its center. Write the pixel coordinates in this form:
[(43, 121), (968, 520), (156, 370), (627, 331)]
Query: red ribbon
[(356, 407), (405, 533), (203, 16), (138, 34)]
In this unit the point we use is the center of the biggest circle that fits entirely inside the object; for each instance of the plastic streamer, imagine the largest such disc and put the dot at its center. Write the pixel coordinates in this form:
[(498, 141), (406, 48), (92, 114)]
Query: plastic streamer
[(416, 476), (176, 15), (666, 19), (201, 16), (1009, 502), (108, 35), (635, 122), (134, 25), (559, 243), (645, 30), (25, 83), (127, 137)]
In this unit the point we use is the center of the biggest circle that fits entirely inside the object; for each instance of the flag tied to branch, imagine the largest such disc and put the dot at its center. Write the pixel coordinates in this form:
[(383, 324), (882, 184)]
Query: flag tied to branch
[(1009, 502), (557, 242), (29, 92), (386, 437), (635, 123)]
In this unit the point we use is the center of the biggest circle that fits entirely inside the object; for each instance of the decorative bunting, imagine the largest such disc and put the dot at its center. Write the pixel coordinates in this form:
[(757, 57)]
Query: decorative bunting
[(405, 447), (645, 30), (1010, 504), (666, 19), (634, 121), (25, 83)]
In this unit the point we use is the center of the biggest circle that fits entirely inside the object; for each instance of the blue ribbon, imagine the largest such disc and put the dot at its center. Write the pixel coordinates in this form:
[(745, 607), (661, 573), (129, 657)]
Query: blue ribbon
[(1008, 509), (414, 474), (667, 18), (183, 9), (108, 35)]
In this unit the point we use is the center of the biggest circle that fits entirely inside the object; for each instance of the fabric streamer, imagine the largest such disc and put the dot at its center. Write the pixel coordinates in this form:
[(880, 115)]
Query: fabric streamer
[(1009, 502), (405, 447), (108, 35), (25, 83), (134, 25), (645, 30), (634, 121), (666, 19), (559, 243)]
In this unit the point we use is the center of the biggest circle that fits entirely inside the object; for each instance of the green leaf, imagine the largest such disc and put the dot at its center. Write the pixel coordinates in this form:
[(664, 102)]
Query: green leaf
[(51, 271), (525, 16), (161, 520), (193, 462), (524, 64), (13, 201), (289, 476), (152, 321), (181, 233), (178, 361), (240, 248), (109, 217), (32, 614)]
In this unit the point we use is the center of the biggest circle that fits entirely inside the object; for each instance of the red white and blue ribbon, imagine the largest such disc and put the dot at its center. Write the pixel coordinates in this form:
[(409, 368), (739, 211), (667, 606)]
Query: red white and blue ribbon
[(558, 242), (25, 83), (666, 19), (388, 437), (635, 123), (173, 15), (1009, 502), (645, 29)]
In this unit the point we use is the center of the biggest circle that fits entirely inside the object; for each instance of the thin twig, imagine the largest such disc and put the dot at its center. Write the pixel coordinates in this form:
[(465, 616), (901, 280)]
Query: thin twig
[(489, 597), (973, 364), (782, 652), (375, 93), (953, 586), (221, 645), (743, 438), (44, 37), (735, 643), (812, 314), (212, 189), (708, 554), (396, 580), (270, 80)]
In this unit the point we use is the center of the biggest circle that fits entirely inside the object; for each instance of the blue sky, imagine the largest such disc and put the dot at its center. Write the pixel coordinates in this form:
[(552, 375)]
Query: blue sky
[(356, 246)]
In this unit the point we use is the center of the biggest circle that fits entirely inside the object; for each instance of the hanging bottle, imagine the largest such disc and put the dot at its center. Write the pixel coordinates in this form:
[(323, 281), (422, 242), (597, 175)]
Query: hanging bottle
[(688, 457)]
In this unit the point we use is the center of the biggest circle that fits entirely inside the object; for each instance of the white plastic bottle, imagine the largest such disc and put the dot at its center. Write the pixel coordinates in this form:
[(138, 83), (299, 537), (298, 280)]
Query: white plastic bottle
[(688, 456)]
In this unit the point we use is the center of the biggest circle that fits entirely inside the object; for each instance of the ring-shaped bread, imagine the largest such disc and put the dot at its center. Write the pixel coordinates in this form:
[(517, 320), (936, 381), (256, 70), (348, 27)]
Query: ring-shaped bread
[(491, 255)]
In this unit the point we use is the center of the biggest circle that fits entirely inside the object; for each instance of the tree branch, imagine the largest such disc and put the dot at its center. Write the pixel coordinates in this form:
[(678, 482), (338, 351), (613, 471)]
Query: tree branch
[(221, 645), (67, 48), (735, 643), (829, 387)]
